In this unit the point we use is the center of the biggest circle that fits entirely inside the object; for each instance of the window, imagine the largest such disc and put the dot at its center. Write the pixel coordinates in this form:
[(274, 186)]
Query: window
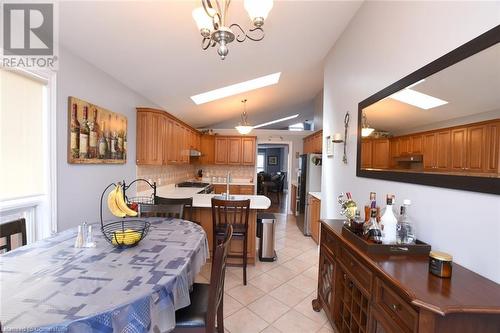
[(261, 158), (27, 144)]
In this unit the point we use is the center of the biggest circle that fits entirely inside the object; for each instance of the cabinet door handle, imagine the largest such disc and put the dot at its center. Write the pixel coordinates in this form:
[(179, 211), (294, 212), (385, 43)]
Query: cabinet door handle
[(395, 307)]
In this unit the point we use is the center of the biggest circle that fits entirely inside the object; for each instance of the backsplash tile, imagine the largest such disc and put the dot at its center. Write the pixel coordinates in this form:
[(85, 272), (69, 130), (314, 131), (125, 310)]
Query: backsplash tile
[(237, 171), (165, 174)]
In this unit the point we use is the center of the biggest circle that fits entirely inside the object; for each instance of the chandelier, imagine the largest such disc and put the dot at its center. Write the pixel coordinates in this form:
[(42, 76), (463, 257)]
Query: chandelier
[(211, 21), (244, 127)]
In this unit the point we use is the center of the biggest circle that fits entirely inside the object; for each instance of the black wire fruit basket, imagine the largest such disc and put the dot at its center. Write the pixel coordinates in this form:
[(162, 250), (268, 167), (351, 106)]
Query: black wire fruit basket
[(126, 232)]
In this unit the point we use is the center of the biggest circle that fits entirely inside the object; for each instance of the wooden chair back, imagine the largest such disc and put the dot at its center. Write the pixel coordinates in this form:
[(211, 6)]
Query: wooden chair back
[(230, 212), (9, 229), (217, 277), (187, 202), (174, 211)]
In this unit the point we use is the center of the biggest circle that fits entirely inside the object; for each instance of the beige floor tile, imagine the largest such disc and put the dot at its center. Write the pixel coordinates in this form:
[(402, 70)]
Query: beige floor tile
[(266, 282), (310, 256), (327, 328), (298, 266), (288, 294), (311, 272), (245, 294), (270, 329), (264, 266), (205, 270), (268, 308), (231, 305), (252, 272), (244, 321), (305, 307), (304, 283), (201, 279), (295, 322), (232, 281), (282, 274)]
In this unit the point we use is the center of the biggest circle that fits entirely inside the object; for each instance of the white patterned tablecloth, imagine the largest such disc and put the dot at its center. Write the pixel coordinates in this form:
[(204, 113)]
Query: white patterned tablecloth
[(50, 286)]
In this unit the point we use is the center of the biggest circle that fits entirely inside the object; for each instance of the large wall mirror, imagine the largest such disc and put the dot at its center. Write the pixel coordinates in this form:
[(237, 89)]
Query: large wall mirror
[(439, 125)]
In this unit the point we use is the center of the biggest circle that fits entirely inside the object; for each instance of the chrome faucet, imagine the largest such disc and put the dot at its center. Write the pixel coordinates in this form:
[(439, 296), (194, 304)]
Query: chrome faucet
[(227, 184)]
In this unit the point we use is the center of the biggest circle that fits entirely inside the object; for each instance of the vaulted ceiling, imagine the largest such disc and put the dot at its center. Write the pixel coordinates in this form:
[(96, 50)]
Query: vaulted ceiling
[(153, 47)]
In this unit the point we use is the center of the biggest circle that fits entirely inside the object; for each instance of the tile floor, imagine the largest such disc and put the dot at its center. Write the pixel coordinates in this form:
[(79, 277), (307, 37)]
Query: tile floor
[(278, 295)]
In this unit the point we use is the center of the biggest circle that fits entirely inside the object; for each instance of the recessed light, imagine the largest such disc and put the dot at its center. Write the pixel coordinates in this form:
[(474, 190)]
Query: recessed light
[(417, 99), (236, 89), (276, 121)]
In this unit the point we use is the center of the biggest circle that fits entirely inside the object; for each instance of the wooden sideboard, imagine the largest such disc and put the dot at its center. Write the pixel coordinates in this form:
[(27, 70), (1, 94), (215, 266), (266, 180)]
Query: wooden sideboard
[(362, 292)]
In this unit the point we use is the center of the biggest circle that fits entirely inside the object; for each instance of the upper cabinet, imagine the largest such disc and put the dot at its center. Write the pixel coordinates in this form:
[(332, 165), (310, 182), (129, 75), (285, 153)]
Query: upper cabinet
[(163, 139), (234, 150), (313, 143), (207, 148)]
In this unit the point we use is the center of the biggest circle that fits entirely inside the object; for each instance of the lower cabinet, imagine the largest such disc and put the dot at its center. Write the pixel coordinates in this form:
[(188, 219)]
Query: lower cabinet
[(234, 189), (363, 293)]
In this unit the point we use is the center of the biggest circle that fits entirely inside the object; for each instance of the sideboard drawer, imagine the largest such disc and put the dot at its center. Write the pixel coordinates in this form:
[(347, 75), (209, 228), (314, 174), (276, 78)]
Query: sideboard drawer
[(395, 306), (357, 270)]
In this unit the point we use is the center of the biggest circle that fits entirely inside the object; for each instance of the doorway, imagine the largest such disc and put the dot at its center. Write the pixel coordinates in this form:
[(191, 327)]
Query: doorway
[(273, 174)]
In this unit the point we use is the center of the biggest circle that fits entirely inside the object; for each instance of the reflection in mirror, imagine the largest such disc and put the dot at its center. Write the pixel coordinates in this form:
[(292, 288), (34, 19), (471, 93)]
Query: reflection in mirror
[(446, 123)]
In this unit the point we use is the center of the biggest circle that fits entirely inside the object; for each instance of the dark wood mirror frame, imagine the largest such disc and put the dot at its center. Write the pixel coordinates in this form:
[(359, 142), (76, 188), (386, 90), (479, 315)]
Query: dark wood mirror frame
[(469, 183)]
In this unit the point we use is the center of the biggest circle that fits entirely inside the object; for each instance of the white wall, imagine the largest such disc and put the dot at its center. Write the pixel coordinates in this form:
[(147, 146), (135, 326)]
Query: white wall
[(79, 186), (384, 42)]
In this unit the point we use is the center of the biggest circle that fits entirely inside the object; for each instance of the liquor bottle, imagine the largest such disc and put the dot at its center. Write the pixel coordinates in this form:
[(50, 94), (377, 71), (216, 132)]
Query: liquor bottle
[(372, 203), (75, 133), (388, 222), (93, 137), (405, 229), (373, 231), (103, 145), (84, 134)]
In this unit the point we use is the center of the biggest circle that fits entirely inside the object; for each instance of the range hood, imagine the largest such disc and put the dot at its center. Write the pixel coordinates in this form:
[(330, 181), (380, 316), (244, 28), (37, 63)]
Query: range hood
[(194, 153), (409, 158)]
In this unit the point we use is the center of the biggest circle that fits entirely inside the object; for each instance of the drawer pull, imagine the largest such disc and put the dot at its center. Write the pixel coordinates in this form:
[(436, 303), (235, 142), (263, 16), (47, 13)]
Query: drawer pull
[(395, 307)]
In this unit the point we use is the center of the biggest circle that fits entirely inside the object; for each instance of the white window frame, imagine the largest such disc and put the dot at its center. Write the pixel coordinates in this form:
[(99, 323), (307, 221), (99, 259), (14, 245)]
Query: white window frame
[(38, 208)]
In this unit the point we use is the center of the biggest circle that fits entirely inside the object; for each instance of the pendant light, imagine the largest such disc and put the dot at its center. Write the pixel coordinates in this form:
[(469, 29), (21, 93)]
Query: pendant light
[(244, 127), (366, 130)]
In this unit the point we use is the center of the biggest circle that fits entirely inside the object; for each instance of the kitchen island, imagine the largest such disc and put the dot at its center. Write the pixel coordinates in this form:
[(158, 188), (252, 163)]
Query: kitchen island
[(202, 214)]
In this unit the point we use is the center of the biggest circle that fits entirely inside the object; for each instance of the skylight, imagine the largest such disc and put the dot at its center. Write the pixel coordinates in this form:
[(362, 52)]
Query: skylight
[(417, 99), (236, 89), (276, 121), (296, 127)]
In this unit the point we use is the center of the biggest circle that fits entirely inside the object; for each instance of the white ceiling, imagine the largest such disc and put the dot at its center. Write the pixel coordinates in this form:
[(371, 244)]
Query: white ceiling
[(472, 88), (154, 48)]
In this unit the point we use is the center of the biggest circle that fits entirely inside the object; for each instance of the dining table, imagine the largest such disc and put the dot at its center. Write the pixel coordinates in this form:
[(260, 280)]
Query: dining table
[(51, 286)]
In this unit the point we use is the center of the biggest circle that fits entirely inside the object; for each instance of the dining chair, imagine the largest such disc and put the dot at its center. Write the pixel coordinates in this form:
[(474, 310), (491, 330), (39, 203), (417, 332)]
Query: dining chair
[(207, 299), (187, 202), (234, 213), (9, 229), (161, 210)]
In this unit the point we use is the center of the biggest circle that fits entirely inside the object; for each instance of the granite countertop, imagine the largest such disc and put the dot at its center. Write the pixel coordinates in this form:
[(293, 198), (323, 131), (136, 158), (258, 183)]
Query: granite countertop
[(317, 195), (204, 200), (233, 183)]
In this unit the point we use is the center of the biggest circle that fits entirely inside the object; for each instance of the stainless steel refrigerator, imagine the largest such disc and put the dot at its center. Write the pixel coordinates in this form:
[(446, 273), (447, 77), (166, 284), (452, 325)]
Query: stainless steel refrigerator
[(309, 180)]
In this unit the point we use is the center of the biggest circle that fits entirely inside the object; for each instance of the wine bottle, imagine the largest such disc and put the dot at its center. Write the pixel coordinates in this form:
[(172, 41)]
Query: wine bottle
[(103, 145), (93, 137), (388, 222), (75, 132), (84, 134), (108, 138), (373, 231), (119, 142)]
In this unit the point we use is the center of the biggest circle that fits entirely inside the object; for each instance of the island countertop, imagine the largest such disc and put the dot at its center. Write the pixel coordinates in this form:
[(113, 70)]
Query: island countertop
[(204, 200)]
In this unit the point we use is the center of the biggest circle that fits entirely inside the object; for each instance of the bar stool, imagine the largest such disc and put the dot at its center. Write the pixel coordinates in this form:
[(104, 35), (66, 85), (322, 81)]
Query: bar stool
[(234, 213)]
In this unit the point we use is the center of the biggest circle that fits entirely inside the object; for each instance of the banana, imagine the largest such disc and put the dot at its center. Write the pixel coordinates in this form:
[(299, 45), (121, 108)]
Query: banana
[(122, 205), (115, 210)]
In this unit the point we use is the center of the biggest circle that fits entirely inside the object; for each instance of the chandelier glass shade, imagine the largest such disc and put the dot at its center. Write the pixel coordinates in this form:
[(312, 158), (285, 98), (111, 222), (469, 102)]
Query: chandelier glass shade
[(244, 127), (211, 22)]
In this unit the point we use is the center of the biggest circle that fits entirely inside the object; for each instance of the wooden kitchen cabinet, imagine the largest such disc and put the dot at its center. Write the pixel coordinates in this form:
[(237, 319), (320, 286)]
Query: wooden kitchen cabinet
[(313, 213), (163, 139), (458, 147), (293, 199), (362, 292), (234, 150), (375, 153), (476, 148), (149, 141), (248, 150), (492, 163), (437, 150), (221, 149), (404, 145), (247, 189), (207, 148), (416, 142), (313, 143)]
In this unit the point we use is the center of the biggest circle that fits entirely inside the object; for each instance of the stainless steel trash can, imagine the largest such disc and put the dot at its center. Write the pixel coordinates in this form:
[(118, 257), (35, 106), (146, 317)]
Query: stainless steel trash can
[(266, 229)]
